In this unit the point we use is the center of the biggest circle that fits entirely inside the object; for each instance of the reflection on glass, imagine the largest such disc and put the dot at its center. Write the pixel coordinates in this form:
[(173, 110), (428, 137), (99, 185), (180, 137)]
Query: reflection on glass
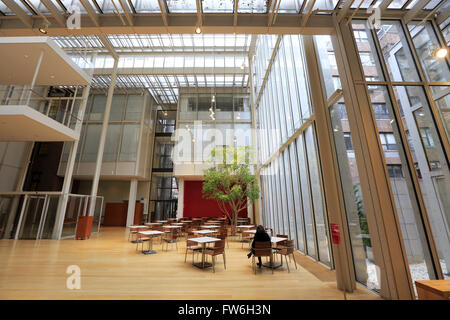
[(252, 6), (363, 259), (316, 192), (307, 209), (396, 52), (330, 75), (91, 143), (443, 105), (130, 139), (417, 250), (182, 6), (425, 42), (297, 197), (367, 51), (290, 200), (218, 6), (431, 165)]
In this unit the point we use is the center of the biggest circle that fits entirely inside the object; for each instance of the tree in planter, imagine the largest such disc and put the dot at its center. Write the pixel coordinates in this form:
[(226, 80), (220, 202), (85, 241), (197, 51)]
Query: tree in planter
[(230, 182)]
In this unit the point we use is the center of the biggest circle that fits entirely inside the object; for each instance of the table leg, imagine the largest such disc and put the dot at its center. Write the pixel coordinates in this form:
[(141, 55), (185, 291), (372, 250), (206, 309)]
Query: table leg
[(136, 240), (203, 264), (150, 247)]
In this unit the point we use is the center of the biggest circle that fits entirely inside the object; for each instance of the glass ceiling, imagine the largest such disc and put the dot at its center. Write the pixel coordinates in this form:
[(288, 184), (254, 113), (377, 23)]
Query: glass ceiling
[(162, 63), (34, 7), (161, 42)]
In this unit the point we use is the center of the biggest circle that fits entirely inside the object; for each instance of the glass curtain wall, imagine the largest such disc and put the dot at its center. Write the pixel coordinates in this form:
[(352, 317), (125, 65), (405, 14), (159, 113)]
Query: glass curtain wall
[(408, 93), (360, 240), (122, 136), (292, 194)]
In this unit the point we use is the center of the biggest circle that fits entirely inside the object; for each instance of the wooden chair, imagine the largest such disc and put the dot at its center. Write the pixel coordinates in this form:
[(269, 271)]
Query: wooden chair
[(281, 244), (131, 232), (143, 238), (262, 249), (217, 249), (247, 237), (170, 237), (191, 245), (286, 250)]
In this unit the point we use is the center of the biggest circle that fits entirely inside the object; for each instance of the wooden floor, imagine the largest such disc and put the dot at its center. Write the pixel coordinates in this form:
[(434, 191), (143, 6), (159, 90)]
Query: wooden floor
[(112, 269)]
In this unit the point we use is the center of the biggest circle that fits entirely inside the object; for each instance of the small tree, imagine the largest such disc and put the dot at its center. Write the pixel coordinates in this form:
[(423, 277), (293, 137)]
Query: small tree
[(230, 182)]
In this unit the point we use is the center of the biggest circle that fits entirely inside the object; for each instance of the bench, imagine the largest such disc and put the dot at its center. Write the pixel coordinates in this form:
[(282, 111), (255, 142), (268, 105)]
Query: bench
[(433, 289)]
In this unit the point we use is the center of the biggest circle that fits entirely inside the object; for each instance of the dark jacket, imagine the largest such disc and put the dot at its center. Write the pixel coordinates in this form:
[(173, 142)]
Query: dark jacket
[(260, 237)]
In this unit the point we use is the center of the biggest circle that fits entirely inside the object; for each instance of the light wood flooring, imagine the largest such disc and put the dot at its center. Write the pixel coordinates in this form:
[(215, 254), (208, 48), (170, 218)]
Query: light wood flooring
[(111, 268)]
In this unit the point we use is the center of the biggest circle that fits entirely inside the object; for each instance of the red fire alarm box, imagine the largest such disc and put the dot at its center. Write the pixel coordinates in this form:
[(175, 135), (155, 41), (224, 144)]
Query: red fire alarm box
[(335, 234)]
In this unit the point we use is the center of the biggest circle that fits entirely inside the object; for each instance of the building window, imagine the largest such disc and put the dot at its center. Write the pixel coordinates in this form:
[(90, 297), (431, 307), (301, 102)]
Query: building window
[(388, 141), (395, 170), (380, 111), (366, 59), (427, 139), (348, 141), (360, 36)]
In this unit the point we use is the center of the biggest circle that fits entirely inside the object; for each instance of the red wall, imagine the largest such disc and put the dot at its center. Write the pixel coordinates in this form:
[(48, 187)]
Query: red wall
[(196, 206)]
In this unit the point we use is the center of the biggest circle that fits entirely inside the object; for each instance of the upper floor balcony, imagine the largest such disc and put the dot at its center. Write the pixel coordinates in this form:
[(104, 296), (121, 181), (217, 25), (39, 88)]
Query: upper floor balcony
[(40, 91)]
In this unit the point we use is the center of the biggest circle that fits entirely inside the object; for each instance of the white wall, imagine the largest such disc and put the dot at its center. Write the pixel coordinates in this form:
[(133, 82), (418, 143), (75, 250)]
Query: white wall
[(12, 159)]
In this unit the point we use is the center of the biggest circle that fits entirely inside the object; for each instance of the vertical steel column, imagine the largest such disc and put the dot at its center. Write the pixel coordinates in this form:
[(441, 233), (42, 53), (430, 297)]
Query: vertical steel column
[(385, 232), (132, 202), (256, 207), (62, 203), (341, 252), (101, 147)]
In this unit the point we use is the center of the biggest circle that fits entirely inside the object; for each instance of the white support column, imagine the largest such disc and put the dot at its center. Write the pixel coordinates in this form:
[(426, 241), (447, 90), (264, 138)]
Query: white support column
[(101, 147), (254, 209), (19, 187), (62, 204), (132, 202), (180, 198)]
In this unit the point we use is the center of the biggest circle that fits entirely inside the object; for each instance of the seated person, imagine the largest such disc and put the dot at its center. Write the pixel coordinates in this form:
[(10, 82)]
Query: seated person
[(261, 236)]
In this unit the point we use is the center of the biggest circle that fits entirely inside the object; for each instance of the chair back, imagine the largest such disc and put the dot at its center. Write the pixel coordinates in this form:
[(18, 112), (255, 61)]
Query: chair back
[(289, 246), (219, 247), (262, 249)]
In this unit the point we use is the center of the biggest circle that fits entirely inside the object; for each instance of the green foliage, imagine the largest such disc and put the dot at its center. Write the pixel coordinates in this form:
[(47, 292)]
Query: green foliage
[(362, 215), (230, 182)]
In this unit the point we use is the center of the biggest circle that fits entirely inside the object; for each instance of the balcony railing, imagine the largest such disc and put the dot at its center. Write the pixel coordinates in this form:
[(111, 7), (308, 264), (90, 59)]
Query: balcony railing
[(61, 109), (32, 215)]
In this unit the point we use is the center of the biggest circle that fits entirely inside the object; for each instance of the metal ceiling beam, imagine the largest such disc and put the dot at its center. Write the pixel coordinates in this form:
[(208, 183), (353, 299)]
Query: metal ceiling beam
[(108, 46), (308, 9), (345, 9), (271, 11), (164, 11), (91, 12), (412, 13), (235, 12), (199, 12), (443, 15), (55, 11), (20, 13), (127, 11), (94, 24), (383, 5)]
